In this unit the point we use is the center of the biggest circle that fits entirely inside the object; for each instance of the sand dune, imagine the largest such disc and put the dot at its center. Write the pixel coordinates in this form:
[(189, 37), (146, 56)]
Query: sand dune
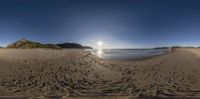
[(46, 72)]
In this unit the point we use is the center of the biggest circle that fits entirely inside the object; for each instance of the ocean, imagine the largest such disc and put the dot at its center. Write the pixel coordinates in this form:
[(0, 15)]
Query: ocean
[(127, 54)]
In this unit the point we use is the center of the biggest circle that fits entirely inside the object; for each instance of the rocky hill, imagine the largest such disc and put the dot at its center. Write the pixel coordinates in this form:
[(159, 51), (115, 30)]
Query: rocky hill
[(25, 44), (72, 45), (87, 47)]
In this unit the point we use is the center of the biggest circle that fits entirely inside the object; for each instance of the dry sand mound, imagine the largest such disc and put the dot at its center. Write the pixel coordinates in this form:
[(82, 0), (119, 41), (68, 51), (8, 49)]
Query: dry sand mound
[(42, 72)]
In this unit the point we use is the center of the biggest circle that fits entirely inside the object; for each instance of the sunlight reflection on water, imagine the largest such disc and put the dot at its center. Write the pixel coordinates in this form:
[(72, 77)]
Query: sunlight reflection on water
[(99, 52), (127, 54)]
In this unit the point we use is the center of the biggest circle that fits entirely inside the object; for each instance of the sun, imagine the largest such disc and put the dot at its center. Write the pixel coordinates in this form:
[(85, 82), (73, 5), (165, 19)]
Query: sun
[(99, 43)]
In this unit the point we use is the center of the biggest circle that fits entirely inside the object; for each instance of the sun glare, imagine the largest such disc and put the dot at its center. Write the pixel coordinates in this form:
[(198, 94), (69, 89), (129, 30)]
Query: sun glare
[(99, 43)]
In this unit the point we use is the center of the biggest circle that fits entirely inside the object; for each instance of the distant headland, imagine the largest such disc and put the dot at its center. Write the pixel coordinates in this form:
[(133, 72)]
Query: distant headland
[(28, 44)]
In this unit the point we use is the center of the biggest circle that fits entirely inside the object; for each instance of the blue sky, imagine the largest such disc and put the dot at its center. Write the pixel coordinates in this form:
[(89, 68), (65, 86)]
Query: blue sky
[(117, 23)]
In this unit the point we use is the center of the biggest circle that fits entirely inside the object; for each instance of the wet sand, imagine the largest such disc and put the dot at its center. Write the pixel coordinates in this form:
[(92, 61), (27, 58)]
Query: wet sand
[(77, 73)]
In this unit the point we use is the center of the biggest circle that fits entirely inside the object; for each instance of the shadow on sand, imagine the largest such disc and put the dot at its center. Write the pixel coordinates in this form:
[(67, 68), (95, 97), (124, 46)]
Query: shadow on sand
[(107, 97)]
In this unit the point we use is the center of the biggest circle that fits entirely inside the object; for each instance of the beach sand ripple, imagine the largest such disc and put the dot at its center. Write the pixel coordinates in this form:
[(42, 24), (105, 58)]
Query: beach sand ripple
[(73, 72)]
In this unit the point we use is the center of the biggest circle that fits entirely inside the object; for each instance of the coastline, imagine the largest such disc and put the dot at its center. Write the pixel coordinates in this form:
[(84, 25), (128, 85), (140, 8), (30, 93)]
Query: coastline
[(66, 73)]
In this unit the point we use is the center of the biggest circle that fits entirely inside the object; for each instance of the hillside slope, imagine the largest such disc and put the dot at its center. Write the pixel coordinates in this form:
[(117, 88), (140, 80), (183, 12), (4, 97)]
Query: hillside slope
[(26, 44)]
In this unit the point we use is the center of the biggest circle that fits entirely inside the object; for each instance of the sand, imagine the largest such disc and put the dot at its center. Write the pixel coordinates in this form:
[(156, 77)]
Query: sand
[(76, 72)]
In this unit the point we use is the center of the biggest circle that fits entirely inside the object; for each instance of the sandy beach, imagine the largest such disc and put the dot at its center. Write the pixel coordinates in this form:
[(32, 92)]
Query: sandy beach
[(76, 72)]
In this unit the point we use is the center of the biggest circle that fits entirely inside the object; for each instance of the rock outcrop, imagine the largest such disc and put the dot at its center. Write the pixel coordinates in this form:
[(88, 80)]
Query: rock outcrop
[(27, 44)]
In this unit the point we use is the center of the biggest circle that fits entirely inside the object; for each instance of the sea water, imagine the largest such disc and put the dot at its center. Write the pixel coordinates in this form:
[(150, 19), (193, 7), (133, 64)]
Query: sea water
[(128, 54)]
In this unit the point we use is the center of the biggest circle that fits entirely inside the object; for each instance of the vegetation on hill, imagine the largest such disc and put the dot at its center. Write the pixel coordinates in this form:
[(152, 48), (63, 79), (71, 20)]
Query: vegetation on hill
[(70, 45), (27, 44), (73, 45), (24, 44)]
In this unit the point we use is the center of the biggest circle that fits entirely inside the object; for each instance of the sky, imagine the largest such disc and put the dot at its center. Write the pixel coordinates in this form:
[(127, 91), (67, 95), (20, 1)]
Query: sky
[(116, 23)]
